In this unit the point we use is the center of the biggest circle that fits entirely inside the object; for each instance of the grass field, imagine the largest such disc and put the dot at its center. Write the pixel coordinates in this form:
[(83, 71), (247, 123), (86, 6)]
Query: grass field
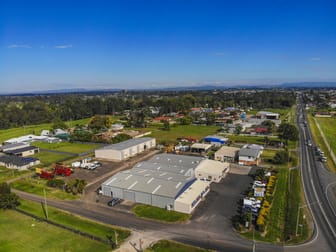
[(67, 147), (37, 185), (47, 158), (21, 233), (160, 214), (319, 141), (169, 246), (328, 125), (170, 136), (34, 129), (7, 174), (74, 221)]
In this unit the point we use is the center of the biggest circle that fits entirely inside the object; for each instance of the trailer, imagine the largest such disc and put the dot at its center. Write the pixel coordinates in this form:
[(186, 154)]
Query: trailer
[(62, 170)]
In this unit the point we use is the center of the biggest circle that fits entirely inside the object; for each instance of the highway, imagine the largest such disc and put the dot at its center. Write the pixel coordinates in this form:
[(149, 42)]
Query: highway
[(315, 180)]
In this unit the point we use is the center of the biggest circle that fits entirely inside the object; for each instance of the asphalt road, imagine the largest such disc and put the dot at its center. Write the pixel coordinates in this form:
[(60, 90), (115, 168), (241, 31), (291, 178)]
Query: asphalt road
[(316, 179)]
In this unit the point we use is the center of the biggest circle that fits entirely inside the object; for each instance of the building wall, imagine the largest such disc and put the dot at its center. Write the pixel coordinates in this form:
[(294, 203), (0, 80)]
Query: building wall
[(161, 201), (144, 198), (108, 154), (248, 161), (223, 158), (188, 208)]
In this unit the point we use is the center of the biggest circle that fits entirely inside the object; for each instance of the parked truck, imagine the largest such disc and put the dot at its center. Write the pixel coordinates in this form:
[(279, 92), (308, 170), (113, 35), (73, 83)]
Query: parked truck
[(59, 169)]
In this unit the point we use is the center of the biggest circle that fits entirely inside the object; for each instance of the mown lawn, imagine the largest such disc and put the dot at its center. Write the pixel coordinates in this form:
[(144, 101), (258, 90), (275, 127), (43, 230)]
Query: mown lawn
[(319, 141), (160, 214), (169, 246), (22, 233), (48, 158), (34, 129), (328, 125), (67, 147), (37, 185), (74, 221), (7, 174), (170, 136)]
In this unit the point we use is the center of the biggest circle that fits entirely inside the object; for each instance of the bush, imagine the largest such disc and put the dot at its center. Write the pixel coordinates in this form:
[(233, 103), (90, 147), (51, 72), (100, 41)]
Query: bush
[(57, 183), (280, 157)]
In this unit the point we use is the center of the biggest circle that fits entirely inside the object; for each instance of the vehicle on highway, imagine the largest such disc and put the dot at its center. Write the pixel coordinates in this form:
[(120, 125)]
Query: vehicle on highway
[(323, 159), (114, 202)]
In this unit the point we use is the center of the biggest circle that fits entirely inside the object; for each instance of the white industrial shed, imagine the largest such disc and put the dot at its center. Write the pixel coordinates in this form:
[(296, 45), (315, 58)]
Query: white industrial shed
[(160, 181), (191, 197), (211, 170), (125, 149)]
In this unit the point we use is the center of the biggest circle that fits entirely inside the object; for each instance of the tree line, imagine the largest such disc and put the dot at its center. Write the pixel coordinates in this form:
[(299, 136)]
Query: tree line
[(17, 111)]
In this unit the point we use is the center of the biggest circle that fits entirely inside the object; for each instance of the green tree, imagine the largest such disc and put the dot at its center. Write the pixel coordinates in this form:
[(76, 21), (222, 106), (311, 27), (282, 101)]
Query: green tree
[(270, 125), (58, 124), (166, 125), (288, 131), (100, 122), (238, 129), (280, 157), (8, 200)]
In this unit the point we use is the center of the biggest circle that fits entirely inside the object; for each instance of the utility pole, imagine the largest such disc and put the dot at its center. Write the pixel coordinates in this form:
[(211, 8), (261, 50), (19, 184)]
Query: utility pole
[(45, 203), (116, 238)]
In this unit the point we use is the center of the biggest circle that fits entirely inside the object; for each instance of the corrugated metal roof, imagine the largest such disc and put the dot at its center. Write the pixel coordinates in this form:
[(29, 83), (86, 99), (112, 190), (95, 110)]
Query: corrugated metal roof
[(178, 160), (249, 152), (127, 144)]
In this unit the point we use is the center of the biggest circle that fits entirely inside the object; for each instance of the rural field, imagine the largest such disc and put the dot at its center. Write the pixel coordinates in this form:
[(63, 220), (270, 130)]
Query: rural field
[(22, 233), (36, 186), (8, 174), (74, 221), (34, 129), (170, 136), (47, 158), (75, 148), (327, 125)]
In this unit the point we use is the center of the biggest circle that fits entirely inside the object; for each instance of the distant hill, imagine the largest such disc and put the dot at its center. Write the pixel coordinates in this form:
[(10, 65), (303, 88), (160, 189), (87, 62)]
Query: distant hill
[(187, 88)]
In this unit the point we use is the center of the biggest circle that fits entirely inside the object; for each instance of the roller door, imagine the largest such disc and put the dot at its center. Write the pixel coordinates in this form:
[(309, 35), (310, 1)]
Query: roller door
[(128, 195)]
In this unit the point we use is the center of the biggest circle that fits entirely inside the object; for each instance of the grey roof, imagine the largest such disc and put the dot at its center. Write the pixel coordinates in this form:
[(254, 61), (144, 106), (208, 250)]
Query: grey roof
[(164, 174), (178, 160), (17, 161), (20, 150), (12, 146), (162, 167), (127, 144), (249, 152), (150, 185)]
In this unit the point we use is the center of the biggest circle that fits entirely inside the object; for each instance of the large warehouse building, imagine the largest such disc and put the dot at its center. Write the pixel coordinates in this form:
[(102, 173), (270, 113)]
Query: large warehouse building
[(126, 149), (166, 181)]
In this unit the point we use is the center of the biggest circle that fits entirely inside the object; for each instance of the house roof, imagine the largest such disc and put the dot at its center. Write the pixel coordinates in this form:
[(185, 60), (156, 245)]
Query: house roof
[(227, 151), (127, 144), (249, 152), (17, 161)]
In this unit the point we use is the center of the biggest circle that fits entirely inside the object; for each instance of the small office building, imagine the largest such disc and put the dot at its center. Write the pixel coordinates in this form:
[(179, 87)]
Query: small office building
[(126, 149), (227, 154), (211, 170)]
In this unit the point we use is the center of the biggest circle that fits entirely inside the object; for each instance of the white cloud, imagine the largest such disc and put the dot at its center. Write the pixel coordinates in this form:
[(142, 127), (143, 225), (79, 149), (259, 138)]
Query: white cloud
[(63, 46), (315, 59), (18, 46)]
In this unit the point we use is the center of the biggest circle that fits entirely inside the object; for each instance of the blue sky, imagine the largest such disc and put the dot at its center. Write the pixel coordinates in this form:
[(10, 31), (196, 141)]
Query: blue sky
[(141, 44)]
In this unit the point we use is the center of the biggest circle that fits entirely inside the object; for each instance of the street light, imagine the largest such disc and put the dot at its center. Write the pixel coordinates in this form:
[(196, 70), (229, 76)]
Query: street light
[(297, 217)]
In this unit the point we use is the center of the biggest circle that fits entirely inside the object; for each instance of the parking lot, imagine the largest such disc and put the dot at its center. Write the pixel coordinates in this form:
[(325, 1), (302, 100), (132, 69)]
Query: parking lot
[(215, 212)]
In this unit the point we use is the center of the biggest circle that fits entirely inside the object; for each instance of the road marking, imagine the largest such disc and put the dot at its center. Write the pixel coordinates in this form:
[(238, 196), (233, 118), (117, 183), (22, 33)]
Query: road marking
[(326, 193)]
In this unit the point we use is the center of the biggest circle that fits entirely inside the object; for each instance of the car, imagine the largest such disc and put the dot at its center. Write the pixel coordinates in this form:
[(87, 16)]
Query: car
[(259, 183), (323, 159), (114, 202), (98, 164)]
